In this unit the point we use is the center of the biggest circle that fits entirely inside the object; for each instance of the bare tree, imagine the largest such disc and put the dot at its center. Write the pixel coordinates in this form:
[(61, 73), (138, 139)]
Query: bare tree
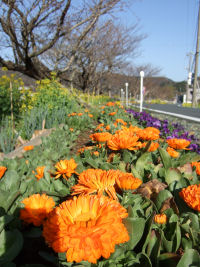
[(30, 28)]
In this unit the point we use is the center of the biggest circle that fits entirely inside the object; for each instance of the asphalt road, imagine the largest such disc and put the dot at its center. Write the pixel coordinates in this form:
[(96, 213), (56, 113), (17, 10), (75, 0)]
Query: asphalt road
[(172, 108)]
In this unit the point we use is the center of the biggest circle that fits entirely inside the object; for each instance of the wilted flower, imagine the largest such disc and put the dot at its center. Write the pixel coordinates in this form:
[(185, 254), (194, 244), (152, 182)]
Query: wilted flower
[(197, 165), (65, 168), (101, 137), (40, 172), (36, 209), (191, 195), (2, 171), (26, 148), (173, 153), (160, 218), (86, 228), (178, 143), (96, 181)]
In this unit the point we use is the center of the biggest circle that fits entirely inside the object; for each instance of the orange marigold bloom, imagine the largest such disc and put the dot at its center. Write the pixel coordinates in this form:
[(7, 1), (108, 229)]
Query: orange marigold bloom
[(191, 195), (86, 228), (99, 126), (40, 172), (160, 218), (96, 153), (197, 165), (108, 127), (82, 149), (26, 148), (90, 115), (121, 121), (36, 209), (173, 153), (178, 143), (96, 181), (80, 114), (71, 129), (2, 171), (149, 133), (123, 140), (86, 110), (65, 168), (102, 111), (128, 181), (103, 107), (112, 113), (101, 137), (153, 147), (110, 104)]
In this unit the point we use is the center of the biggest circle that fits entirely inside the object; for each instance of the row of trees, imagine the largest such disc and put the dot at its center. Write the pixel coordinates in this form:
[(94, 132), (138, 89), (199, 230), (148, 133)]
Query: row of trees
[(83, 41)]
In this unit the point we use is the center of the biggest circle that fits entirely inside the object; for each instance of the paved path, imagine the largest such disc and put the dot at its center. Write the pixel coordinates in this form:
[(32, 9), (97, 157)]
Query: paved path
[(192, 114)]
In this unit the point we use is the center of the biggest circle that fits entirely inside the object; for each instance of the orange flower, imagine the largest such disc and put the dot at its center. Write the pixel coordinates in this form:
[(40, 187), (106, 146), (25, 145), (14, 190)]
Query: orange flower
[(96, 153), (123, 140), (71, 129), (110, 104), (160, 218), (101, 137), (128, 181), (197, 165), (149, 133), (86, 228), (86, 110), (108, 127), (26, 148), (65, 168), (2, 171), (80, 114), (102, 107), (191, 195), (82, 149), (121, 121), (178, 143), (112, 113), (99, 126), (96, 181), (173, 153), (102, 111), (40, 172), (153, 147), (90, 115), (36, 209)]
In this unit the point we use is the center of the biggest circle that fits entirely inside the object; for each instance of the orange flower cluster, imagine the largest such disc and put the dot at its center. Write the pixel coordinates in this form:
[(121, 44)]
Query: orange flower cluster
[(121, 121), (36, 209), (27, 148), (112, 113), (110, 104), (149, 133), (123, 140), (2, 171), (197, 165), (101, 181), (40, 172), (86, 228), (173, 153), (191, 195), (65, 168), (101, 137), (178, 143), (160, 218)]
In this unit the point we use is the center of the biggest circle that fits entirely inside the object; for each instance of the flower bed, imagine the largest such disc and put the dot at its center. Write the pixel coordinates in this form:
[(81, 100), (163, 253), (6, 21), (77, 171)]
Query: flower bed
[(129, 197)]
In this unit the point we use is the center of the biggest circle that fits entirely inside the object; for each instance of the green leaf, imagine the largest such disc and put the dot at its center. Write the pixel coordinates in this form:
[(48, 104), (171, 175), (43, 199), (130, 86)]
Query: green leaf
[(172, 175), (92, 163), (126, 156), (4, 220), (141, 162), (135, 227), (190, 258), (11, 180), (168, 260), (165, 157), (11, 243)]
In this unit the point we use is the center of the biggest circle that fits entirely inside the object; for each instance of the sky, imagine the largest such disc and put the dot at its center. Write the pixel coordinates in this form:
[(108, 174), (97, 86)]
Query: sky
[(171, 29)]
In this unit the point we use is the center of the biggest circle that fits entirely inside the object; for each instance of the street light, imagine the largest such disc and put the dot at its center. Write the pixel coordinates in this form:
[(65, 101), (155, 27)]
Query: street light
[(126, 84), (141, 89)]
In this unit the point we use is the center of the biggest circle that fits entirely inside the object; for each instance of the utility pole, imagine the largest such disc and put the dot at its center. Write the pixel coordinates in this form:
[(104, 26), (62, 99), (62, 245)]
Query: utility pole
[(194, 96), (189, 76)]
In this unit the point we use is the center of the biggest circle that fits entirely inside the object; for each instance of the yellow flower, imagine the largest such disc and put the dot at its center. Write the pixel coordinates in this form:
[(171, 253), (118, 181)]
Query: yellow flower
[(86, 228)]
